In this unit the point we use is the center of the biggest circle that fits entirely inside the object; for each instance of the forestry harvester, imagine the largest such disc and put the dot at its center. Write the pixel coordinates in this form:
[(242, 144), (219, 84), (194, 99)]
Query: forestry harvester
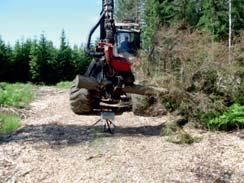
[(109, 81)]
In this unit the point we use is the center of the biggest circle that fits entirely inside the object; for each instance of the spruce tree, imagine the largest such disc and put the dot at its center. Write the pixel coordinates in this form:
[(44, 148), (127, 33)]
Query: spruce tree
[(65, 67), (238, 15), (42, 59), (80, 60), (215, 18), (128, 10), (6, 62), (22, 51)]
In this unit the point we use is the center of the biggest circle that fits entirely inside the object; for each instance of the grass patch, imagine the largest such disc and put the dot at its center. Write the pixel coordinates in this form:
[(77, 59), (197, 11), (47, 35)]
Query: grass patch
[(233, 118), (177, 135), (16, 95), (170, 129), (13, 95), (9, 123), (64, 85), (182, 137)]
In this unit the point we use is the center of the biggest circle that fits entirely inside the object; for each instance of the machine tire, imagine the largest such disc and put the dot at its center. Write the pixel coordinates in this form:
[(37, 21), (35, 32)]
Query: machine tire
[(82, 101)]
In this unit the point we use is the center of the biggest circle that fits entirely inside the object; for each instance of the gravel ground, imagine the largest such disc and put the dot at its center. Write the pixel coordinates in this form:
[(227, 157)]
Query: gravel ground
[(56, 146)]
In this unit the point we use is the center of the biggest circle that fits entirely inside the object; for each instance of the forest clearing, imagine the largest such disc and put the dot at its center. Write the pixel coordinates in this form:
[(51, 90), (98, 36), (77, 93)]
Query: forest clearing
[(155, 94), (54, 145)]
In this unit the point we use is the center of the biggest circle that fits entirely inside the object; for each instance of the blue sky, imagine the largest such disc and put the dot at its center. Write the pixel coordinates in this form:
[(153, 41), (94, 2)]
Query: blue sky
[(21, 19)]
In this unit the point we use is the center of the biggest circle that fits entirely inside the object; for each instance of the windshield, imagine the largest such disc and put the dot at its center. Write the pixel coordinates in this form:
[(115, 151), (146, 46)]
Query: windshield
[(128, 42)]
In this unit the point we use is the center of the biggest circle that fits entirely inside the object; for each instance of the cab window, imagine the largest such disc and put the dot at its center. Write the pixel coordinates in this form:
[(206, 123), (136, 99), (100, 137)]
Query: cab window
[(128, 42)]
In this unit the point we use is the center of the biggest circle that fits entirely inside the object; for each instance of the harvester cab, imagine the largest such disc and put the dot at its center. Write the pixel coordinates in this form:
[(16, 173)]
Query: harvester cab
[(127, 40), (123, 37)]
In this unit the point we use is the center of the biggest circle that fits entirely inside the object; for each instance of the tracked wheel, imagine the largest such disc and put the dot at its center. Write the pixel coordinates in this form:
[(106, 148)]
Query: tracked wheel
[(82, 101)]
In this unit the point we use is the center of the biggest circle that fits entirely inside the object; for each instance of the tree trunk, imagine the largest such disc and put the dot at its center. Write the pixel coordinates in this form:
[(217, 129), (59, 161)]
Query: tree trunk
[(91, 84)]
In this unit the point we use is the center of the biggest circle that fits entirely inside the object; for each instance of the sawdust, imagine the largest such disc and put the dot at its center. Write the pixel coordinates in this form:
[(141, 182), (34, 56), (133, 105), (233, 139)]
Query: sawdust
[(55, 145)]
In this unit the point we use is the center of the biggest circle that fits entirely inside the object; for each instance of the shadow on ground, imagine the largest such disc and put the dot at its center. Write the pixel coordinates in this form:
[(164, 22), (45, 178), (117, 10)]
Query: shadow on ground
[(70, 135)]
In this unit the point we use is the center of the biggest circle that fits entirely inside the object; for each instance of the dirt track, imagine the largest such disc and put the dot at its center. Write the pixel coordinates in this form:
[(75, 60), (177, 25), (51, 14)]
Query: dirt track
[(56, 146)]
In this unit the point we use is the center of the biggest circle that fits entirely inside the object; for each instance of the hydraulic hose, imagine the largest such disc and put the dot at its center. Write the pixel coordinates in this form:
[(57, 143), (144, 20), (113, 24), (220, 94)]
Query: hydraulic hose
[(88, 45)]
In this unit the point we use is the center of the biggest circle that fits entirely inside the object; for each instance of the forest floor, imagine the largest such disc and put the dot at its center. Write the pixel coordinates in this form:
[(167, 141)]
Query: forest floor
[(56, 146)]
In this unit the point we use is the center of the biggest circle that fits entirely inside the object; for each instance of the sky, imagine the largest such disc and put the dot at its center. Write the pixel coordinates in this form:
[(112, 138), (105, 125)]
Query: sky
[(22, 19)]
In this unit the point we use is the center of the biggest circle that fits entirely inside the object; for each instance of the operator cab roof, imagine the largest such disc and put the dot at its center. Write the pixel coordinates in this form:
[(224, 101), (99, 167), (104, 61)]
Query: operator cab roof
[(128, 27)]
